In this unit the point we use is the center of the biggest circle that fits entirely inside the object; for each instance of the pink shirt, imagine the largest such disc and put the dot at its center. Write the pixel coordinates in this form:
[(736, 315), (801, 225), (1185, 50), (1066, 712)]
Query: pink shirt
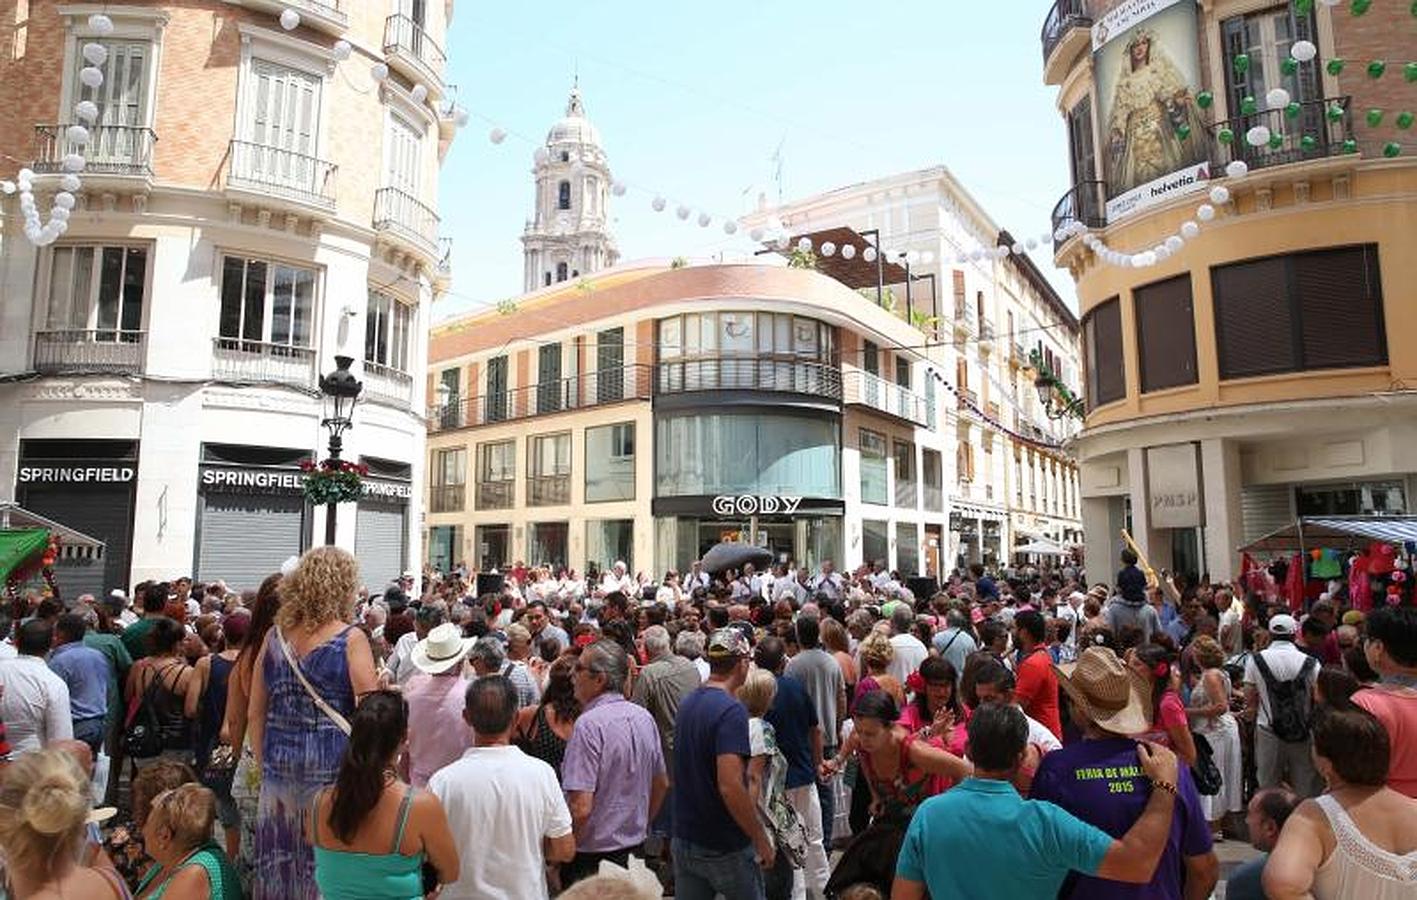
[(437, 733), (1396, 708), (1171, 715)]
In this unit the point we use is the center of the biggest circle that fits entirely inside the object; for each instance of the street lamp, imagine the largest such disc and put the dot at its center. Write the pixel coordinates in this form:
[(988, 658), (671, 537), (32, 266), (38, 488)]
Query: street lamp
[(1056, 400), (341, 391)]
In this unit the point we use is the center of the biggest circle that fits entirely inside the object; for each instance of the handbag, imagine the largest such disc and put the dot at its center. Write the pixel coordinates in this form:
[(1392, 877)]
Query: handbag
[(1204, 772), (220, 769), (330, 712)]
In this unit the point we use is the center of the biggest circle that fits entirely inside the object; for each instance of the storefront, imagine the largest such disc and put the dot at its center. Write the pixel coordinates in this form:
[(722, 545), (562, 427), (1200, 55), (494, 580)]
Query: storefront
[(802, 531), (252, 515), (88, 486), (977, 534), (381, 527)]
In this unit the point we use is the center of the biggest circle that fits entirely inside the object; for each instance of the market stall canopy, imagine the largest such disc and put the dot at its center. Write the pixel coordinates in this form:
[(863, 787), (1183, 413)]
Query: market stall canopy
[(73, 544), (734, 555), (18, 546), (1042, 548), (1334, 531)]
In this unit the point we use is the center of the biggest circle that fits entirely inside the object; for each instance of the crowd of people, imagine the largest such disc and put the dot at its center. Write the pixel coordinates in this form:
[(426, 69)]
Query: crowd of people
[(773, 734)]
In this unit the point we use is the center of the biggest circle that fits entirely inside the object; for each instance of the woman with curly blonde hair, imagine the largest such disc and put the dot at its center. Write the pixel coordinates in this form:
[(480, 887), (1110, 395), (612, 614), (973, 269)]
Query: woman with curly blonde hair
[(313, 668), (44, 813)]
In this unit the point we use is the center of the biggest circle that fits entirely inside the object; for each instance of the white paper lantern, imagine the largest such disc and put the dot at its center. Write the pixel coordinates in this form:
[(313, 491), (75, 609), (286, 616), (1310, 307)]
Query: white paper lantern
[(682, 212), (290, 20), (1175, 242), (848, 251), (1045, 238), (804, 245), (869, 254), (461, 117), (828, 248), (86, 110), (1257, 136), (77, 134), (91, 77), (1001, 252), (1276, 98), (1237, 168), (342, 50), (617, 188), (1205, 212), (730, 227), (1031, 244), (72, 162), (755, 234), (657, 204), (379, 71), (704, 219), (64, 200), (496, 135), (419, 93), (7, 187), (1220, 195), (100, 24), (96, 54), (1189, 230), (60, 213), (1017, 249), (1303, 51)]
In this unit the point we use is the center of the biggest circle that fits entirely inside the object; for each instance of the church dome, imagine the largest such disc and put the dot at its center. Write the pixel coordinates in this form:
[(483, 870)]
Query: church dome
[(575, 128)]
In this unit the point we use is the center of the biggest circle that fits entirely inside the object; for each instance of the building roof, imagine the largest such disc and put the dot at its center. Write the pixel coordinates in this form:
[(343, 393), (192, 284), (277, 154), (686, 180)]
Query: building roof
[(574, 128)]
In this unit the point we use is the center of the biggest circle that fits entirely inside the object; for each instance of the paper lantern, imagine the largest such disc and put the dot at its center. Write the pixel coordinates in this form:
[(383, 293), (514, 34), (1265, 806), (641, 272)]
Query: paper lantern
[(1277, 98), (869, 254), (1308, 143), (682, 212), (704, 219), (1220, 195), (86, 110), (91, 77), (379, 71), (1224, 135), (72, 162), (1392, 149), (290, 20), (1248, 106), (419, 93), (1205, 99), (828, 248), (730, 227), (1374, 117), (7, 187), (1303, 51), (1190, 230), (496, 135), (1174, 243), (1360, 7), (1334, 112), (848, 251), (342, 50), (1205, 212), (1403, 120), (64, 200), (96, 54), (804, 245), (1350, 146), (1335, 66), (1030, 244), (1237, 168), (77, 135), (1241, 63), (658, 204), (755, 234), (1409, 71), (100, 24), (1016, 249), (1376, 68), (1257, 136)]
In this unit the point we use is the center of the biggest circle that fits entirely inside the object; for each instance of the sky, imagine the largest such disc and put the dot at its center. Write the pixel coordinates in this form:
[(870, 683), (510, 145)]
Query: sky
[(691, 101)]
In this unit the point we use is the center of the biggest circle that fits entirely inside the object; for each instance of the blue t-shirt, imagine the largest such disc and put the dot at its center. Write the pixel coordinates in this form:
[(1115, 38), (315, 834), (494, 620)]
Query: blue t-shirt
[(792, 716), (710, 723), (980, 839), (1102, 782)]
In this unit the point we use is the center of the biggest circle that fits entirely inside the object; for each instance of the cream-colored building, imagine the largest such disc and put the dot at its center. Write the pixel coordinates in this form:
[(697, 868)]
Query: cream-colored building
[(1263, 370), (254, 204), (982, 320)]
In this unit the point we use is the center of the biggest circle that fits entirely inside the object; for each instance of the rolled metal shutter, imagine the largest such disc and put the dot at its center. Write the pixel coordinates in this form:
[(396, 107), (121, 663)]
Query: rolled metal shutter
[(246, 537), (1265, 508), (379, 543), (105, 513)]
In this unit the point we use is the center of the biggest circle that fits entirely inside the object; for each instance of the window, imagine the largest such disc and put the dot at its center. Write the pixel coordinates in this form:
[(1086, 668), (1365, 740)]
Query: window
[(1317, 310), (548, 378), (610, 462), (496, 474), (875, 541), (562, 272), (871, 357), (873, 467), (99, 290), (264, 301), (498, 397), (405, 159), (448, 475), (546, 542), (387, 330), (563, 195), (706, 454), (449, 385), (1166, 333), (902, 371), (117, 138), (964, 462), (1363, 498), (610, 365), (1102, 342), (280, 127), (549, 470), (905, 494), (608, 541), (565, 156), (907, 549), (932, 473), (1080, 143), (1265, 37)]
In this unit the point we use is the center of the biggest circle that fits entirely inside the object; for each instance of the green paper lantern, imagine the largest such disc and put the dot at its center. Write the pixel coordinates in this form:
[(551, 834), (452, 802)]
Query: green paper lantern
[(1248, 106), (1404, 120), (1242, 63), (1292, 110), (1276, 140), (1409, 71), (1335, 66), (1376, 68), (1360, 6), (1392, 149), (1350, 146), (1289, 65), (1334, 112), (1225, 136), (1309, 143), (1205, 99), (1303, 7), (1183, 132), (1375, 118)]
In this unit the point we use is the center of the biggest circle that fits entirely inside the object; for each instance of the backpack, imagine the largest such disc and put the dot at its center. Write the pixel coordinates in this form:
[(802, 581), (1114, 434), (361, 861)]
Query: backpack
[(1290, 704), (143, 731)]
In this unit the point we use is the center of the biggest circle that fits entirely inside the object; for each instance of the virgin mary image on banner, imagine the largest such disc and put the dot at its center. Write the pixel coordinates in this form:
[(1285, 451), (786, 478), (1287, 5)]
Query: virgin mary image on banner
[(1153, 125)]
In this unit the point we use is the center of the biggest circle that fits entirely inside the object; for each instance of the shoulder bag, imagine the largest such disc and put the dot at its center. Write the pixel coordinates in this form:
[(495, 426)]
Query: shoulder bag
[(330, 712)]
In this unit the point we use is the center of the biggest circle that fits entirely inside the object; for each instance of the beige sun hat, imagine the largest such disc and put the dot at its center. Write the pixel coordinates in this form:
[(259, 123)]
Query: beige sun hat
[(444, 648), (1104, 690)]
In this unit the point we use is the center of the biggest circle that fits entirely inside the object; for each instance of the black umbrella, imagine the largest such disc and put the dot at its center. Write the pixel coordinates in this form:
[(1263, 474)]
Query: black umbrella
[(734, 555)]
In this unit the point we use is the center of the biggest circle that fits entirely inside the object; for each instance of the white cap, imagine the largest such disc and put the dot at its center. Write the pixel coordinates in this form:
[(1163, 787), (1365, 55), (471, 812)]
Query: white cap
[(1283, 625)]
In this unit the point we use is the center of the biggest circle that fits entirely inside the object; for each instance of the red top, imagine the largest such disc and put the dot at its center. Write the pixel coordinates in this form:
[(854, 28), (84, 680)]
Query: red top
[(1037, 690)]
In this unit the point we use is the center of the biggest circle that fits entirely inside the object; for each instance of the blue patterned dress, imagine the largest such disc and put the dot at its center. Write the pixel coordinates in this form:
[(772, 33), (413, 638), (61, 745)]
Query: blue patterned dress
[(300, 754)]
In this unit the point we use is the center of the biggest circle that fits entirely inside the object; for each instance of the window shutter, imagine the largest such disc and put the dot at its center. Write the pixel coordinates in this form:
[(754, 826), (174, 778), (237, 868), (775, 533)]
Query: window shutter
[(1166, 333), (1254, 324), (1340, 308), (1107, 377)]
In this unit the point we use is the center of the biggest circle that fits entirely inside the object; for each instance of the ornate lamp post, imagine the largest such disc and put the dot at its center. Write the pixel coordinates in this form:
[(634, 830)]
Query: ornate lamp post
[(341, 391), (1057, 401)]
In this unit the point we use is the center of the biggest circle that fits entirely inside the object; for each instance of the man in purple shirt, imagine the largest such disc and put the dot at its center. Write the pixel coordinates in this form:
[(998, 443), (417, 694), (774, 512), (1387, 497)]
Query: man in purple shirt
[(613, 772), (1098, 780)]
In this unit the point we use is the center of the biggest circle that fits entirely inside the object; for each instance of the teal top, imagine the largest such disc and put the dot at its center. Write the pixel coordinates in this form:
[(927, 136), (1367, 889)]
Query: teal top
[(220, 874), (350, 875)]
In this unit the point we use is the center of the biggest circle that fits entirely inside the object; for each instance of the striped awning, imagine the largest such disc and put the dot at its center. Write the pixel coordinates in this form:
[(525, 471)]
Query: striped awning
[(1335, 531)]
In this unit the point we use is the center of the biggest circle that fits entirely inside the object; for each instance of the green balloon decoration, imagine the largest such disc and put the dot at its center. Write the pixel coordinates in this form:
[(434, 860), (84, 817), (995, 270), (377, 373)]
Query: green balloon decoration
[(1392, 149), (1376, 68), (1205, 99), (1303, 7), (1292, 110), (1335, 66), (1409, 71), (1289, 65), (1183, 132), (1308, 142), (1375, 118), (1404, 120), (1248, 106), (1225, 136), (1361, 6), (1276, 140), (1242, 63), (1350, 146), (1334, 112)]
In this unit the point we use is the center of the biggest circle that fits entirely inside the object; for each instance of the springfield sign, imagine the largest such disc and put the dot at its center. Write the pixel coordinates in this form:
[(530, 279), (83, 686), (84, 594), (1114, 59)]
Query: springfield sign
[(1146, 62)]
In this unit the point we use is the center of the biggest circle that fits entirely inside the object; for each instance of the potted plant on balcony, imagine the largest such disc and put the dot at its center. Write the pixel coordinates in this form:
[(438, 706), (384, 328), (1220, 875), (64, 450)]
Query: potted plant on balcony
[(333, 480)]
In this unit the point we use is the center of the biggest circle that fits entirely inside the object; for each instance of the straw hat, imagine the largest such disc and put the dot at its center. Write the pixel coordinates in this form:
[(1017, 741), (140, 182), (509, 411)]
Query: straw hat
[(444, 648), (1105, 691)]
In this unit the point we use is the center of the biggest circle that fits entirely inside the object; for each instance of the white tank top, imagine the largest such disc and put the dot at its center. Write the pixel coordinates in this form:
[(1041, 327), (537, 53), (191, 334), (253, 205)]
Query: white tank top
[(1357, 867)]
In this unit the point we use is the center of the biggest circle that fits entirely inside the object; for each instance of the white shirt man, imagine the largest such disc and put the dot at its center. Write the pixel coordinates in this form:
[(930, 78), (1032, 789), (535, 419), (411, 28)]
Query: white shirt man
[(829, 582), (34, 702), (505, 808)]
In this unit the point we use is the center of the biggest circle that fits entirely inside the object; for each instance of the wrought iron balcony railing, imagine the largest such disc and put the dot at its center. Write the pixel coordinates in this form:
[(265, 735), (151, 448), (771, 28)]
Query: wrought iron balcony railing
[(243, 361), (631, 382), (1305, 130), (387, 383), (79, 351), (111, 149), (1064, 15), (788, 375), (273, 171), (443, 498), (548, 490), (1085, 202), (406, 39), (406, 216)]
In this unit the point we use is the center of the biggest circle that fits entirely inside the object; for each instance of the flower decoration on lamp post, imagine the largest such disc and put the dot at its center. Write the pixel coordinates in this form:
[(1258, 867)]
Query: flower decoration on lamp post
[(335, 481), (1058, 401)]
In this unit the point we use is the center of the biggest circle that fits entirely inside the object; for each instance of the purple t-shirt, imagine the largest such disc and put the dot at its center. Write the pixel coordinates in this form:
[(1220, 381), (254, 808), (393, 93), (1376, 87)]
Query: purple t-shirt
[(614, 752), (1102, 782)]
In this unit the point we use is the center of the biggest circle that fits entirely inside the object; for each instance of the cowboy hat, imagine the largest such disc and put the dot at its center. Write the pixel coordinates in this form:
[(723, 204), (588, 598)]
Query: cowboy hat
[(1104, 690), (444, 648)]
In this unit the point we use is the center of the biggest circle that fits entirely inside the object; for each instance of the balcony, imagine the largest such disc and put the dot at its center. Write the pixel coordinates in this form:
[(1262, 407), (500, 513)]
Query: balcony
[(411, 52), (1018, 356), (326, 15), (257, 362), (1309, 134), (406, 220), (781, 375), (1066, 32), (495, 494), (122, 151), (271, 173), (387, 384), (580, 392), (446, 498), (986, 336), (83, 352), (548, 490), (1085, 202), (875, 393), (963, 323), (991, 411), (968, 398)]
